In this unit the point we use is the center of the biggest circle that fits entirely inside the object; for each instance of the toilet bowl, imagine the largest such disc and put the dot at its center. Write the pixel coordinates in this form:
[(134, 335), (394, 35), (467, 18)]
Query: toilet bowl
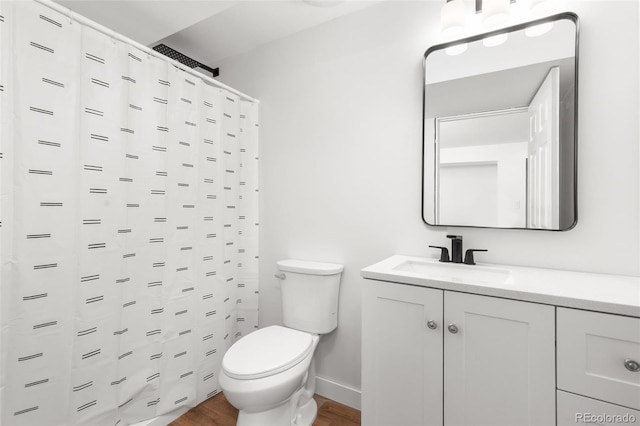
[(266, 377), (269, 374)]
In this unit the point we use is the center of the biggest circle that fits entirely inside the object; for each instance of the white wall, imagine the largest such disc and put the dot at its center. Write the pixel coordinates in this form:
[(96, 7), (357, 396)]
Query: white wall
[(466, 188), (499, 190), (341, 155)]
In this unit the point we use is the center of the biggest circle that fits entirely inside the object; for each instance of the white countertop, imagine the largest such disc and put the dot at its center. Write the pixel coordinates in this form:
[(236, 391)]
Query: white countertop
[(616, 294)]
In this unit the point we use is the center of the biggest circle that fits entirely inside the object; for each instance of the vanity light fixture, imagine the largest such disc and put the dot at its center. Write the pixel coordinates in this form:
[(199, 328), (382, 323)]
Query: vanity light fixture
[(452, 24), (494, 12), (452, 19), (538, 8), (489, 15)]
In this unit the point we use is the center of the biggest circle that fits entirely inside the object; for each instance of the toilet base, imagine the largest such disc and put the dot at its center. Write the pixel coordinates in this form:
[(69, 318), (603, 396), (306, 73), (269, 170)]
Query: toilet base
[(281, 416), (306, 414)]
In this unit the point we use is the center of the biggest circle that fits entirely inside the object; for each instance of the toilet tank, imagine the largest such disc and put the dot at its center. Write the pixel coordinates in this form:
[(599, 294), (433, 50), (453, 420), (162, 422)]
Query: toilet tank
[(310, 295)]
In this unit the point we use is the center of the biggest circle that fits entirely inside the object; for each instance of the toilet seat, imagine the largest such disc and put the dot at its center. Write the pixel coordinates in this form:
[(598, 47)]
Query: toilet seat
[(266, 352)]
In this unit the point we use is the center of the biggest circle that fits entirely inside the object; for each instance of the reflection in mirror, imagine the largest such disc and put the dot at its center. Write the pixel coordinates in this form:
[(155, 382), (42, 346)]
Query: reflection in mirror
[(499, 129)]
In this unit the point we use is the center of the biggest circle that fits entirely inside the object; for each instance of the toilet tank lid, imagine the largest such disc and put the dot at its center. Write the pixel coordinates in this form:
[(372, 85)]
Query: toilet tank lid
[(309, 267)]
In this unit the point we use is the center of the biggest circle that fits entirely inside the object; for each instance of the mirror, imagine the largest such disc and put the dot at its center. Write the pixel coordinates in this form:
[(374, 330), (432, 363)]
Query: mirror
[(499, 134)]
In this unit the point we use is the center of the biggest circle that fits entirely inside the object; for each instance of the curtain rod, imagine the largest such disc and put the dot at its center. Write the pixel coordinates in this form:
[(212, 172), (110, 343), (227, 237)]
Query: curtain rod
[(104, 30)]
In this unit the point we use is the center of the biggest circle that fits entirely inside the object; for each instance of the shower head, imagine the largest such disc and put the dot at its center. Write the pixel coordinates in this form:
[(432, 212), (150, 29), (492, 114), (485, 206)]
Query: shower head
[(184, 59)]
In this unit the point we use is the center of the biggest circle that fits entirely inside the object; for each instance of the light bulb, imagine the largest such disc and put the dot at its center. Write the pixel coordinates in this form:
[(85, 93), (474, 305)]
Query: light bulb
[(495, 12), (452, 19), (540, 7)]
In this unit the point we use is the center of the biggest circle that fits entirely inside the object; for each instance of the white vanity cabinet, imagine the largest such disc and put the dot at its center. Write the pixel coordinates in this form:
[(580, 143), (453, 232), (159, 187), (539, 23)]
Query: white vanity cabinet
[(450, 344), (598, 368), (434, 357)]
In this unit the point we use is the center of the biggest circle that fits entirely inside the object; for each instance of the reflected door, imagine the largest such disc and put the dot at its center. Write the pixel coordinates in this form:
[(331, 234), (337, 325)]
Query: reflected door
[(543, 184)]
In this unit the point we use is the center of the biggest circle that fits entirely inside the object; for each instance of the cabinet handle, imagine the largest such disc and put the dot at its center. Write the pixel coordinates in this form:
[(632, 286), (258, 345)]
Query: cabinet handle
[(631, 365), (453, 329), (432, 325)]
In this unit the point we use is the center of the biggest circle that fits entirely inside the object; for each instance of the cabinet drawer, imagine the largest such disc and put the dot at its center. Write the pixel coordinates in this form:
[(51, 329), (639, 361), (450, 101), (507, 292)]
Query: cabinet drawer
[(578, 410), (592, 350)]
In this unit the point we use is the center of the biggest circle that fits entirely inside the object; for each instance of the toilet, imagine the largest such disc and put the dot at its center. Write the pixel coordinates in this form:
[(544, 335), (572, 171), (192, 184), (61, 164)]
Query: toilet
[(269, 375)]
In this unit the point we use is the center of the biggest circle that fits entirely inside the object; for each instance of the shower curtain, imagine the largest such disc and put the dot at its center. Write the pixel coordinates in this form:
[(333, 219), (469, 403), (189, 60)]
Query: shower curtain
[(129, 225)]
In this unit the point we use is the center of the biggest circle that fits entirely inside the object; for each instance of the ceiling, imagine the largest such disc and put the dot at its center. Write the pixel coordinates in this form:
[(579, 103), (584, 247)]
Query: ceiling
[(212, 30), (494, 91)]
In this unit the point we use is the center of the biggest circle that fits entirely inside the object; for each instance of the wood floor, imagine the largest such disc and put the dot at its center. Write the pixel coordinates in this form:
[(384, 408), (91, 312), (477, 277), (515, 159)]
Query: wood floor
[(217, 411)]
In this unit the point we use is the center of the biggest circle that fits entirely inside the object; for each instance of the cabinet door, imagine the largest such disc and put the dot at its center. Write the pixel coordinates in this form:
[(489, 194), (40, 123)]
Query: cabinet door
[(499, 367), (401, 355)]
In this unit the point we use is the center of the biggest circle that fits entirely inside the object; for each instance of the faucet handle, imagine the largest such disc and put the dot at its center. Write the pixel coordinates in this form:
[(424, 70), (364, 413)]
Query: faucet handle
[(468, 257), (444, 253)]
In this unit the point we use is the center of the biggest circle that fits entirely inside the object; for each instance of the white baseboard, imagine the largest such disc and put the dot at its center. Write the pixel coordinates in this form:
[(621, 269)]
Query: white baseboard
[(338, 392)]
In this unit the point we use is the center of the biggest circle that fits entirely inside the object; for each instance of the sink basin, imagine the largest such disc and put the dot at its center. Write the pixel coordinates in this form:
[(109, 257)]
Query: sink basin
[(432, 269)]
